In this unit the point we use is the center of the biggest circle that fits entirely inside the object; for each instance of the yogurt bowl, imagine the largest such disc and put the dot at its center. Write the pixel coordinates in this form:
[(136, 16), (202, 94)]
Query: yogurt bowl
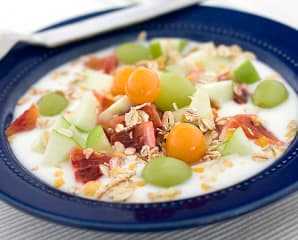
[(154, 205)]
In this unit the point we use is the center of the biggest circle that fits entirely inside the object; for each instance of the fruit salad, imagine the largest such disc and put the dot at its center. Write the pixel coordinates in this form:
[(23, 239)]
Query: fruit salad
[(156, 120)]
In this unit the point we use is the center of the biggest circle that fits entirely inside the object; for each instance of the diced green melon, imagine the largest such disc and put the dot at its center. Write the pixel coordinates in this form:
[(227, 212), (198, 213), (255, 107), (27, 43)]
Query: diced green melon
[(77, 136), (98, 140), (62, 122), (96, 80), (217, 63), (221, 147), (85, 115), (40, 143), (246, 73), (176, 69), (156, 49), (179, 113), (119, 107), (219, 92), (207, 46), (200, 102), (182, 44), (161, 46), (196, 59), (38, 147), (204, 59), (193, 61), (58, 148), (237, 144)]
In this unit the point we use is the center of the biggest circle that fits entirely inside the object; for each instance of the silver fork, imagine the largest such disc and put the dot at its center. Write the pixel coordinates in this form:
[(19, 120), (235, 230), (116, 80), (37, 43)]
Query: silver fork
[(95, 25)]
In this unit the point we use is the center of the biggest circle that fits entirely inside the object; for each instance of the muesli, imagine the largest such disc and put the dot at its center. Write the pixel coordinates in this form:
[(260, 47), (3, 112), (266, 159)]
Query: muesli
[(154, 121)]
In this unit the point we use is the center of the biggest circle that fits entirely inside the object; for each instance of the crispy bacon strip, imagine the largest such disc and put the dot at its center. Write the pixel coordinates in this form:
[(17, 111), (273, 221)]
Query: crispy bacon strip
[(86, 168), (140, 135), (154, 117), (241, 94), (107, 64), (252, 127), (25, 122), (104, 102)]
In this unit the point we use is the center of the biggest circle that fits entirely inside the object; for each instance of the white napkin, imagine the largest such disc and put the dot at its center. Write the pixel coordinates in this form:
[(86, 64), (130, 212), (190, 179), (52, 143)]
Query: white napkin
[(30, 15)]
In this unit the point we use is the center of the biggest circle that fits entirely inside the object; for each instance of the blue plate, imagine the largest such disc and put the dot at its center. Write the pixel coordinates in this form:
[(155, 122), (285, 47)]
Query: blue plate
[(274, 43)]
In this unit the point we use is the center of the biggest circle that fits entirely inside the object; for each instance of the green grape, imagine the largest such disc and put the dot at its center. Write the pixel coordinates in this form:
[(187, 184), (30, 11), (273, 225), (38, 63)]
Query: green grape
[(175, 89), (130, 53), (166, 172), (270, 93), (246, 73), (52, 104)]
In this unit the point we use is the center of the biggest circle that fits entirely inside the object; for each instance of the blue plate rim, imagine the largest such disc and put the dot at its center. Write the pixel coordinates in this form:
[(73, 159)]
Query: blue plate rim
[(193, 222), (161, 226)]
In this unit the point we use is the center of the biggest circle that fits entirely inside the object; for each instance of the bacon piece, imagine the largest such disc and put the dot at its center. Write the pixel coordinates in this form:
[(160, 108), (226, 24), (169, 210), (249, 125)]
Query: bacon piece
[(80, 160), (214, 113), (85, 175), (86, 168), (154, 117), (124, 136), (224, 76), (241, 94), (252, 127), (107, 64), (117, 120), (144, 134), (25, 122), (138, 136), (104, 102), (195, 75)]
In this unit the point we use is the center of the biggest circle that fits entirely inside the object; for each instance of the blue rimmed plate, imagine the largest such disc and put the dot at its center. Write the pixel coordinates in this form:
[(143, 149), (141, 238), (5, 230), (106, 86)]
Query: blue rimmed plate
[(275, 44)]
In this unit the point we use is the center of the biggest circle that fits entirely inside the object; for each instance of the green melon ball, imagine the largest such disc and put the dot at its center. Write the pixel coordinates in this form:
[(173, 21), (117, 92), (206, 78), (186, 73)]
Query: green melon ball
[(175, 89), (52, 104), (270, 93), (166, 172), (131, 53)]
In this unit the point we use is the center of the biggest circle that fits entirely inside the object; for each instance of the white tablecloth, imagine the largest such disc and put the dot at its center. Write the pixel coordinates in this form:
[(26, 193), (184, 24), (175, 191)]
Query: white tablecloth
[(279, 221)]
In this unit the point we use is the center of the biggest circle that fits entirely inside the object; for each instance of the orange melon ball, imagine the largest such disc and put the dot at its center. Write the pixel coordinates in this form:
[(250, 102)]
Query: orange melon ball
[(121, 78), (186, 142), (143, 86)]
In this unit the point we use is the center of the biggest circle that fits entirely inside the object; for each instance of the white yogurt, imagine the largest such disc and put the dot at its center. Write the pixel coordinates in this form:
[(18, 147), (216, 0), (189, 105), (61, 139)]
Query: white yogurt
[(238, 169)]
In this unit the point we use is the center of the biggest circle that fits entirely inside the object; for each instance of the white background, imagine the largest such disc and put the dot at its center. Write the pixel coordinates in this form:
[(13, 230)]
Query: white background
[(30, 15)]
